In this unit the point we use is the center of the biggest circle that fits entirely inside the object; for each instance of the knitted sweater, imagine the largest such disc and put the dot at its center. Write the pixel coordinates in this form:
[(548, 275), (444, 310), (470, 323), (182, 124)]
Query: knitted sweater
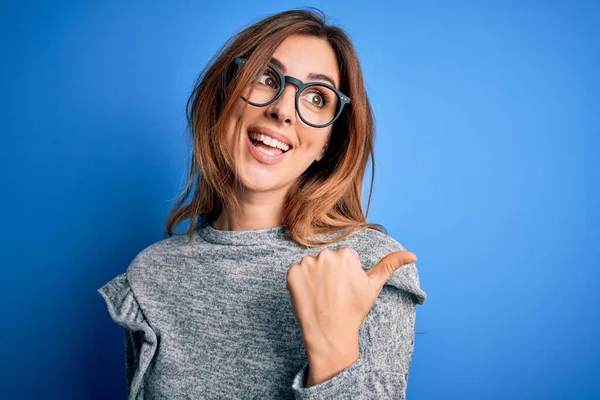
[(213, 319)]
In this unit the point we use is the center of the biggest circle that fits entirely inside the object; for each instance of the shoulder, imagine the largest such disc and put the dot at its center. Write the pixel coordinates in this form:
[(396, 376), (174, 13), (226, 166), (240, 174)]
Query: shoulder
[(161, 262), (372, 245), (171, 246), (378, 239)]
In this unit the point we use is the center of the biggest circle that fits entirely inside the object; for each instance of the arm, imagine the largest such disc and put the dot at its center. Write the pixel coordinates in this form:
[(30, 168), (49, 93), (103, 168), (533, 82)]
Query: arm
[(133, 344), (386, 342), (324, 366), (141, 341)]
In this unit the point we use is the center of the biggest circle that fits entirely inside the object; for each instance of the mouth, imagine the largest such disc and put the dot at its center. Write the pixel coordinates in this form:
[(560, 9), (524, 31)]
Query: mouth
[(263, 153), (266, 143)]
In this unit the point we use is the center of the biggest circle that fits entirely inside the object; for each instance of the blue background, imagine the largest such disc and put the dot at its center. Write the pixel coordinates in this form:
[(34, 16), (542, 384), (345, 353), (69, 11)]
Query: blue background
[(486, 168)]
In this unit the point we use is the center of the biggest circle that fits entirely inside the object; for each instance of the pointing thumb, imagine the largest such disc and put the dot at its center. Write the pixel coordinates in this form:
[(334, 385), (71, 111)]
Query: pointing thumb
[(386, 267)]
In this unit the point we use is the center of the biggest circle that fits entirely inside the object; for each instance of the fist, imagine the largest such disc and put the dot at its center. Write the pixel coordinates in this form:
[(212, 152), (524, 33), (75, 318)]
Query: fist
[(331, 295)]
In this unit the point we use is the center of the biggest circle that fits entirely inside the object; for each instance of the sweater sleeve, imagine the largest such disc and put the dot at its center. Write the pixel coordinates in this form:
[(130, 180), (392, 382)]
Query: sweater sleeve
[(140, 340), (386, 342)]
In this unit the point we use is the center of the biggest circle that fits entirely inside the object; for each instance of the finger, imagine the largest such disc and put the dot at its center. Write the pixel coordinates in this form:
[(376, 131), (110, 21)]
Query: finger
[(386, 267), (355, 253), (351, 251)]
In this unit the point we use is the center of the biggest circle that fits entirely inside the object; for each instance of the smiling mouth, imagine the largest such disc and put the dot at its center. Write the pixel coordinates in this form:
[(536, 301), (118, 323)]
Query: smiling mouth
[(259, 143)]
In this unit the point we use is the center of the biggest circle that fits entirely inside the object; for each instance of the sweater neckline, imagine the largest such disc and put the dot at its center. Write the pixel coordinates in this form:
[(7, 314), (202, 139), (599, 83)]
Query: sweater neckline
[(248, 237)]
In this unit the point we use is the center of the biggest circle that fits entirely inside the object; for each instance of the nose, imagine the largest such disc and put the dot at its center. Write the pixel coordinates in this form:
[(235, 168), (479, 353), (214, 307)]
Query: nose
[(284, 108)]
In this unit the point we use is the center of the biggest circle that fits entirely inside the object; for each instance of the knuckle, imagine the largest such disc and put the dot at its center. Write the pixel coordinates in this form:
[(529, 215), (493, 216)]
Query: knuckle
[(346, 251), (308, 260), (291, 272), (349, 253), (324, 253), (389, 268), (307, 263)]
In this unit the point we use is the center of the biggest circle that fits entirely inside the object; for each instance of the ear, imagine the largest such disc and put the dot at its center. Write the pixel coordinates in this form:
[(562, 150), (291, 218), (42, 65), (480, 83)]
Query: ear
[(323, 151), (325, 147)]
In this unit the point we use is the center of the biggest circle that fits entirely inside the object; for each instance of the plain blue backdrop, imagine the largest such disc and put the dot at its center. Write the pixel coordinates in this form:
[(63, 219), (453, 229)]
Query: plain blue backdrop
[(486, 167)]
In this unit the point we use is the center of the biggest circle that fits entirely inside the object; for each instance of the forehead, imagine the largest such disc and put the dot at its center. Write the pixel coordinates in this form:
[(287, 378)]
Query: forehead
[(304, 55)]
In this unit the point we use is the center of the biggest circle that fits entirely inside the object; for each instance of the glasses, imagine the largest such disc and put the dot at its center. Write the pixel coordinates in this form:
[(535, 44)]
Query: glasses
[(318, 104)]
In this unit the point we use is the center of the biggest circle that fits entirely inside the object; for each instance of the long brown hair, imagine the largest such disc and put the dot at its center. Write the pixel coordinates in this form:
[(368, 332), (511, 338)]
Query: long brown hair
[(326, 198)]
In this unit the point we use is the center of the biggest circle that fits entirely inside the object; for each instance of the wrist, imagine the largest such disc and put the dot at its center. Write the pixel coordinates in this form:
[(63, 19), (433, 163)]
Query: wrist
[(326, 364), (321, 347)]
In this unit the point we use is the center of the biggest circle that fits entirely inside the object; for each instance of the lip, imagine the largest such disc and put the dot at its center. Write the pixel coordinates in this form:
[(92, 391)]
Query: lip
[(271, 133), (262, 157)]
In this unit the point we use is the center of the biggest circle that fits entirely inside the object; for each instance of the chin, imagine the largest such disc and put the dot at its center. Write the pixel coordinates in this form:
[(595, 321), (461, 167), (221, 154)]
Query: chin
[(259, 180)]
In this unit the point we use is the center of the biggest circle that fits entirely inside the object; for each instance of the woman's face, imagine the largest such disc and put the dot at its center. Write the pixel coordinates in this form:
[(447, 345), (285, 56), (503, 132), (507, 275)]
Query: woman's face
[(299, 56)]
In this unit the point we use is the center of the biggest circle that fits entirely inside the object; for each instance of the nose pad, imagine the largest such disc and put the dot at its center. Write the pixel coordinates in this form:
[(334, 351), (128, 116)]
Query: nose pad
[(284, 107)]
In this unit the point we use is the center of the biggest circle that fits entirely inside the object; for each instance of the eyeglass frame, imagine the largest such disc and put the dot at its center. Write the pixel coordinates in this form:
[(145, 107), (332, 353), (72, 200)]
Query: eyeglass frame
[(285, 79)]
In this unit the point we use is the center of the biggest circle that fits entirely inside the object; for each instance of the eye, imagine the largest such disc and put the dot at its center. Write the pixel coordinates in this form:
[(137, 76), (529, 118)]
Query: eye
[(269, 79), (316, 98)]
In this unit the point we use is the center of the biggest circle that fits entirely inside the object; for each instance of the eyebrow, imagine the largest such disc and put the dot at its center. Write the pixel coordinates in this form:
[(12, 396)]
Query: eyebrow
[(313, 75)]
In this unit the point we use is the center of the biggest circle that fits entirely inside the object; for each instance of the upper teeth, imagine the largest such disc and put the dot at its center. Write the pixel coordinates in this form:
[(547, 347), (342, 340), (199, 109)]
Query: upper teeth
[(269, 141)]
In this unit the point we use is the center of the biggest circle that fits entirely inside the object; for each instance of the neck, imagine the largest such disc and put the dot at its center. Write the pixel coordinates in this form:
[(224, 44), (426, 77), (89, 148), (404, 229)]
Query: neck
[(257, 211)]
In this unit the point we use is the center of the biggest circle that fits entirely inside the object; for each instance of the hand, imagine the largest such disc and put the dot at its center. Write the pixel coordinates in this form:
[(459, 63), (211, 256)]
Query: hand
[(331, 296)]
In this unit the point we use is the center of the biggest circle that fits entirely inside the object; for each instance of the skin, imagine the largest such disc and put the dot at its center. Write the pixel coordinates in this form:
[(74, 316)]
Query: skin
[(265, 186), (331, 296), (325, 287)]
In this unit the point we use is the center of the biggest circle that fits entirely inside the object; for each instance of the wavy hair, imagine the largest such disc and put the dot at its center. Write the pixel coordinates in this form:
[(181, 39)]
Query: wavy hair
[(326, 198)]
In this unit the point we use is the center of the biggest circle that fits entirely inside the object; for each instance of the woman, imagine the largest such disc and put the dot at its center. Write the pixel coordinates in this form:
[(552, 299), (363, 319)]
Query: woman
[(282, 290)]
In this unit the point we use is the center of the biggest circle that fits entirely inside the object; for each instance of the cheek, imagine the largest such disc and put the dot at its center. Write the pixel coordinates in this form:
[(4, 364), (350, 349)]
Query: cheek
[(237, 113), (240, 108), (315, 139)]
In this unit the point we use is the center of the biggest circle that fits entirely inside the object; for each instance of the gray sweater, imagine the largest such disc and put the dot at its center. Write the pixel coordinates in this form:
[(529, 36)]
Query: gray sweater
[(212, 319)]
